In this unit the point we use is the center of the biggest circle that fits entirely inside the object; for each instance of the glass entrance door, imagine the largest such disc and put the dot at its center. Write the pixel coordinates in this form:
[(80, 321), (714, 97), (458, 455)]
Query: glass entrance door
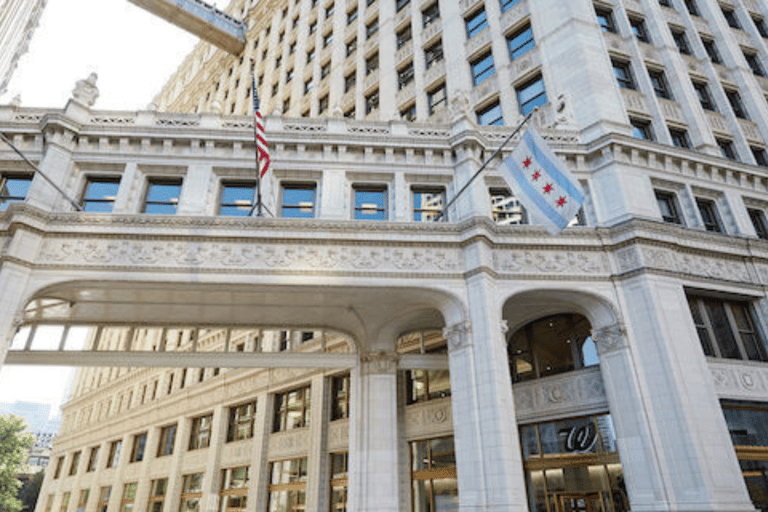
[(580, 502)]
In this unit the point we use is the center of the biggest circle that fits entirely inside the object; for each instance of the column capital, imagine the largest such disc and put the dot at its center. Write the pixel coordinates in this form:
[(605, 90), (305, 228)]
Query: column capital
[(457, 336), (379, 362), (610, 338)]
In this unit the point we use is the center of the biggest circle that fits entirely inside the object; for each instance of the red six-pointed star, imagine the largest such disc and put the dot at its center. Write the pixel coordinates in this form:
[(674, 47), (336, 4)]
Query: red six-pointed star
[(535, 176), (561, 201), (527, 162), (547, 188)]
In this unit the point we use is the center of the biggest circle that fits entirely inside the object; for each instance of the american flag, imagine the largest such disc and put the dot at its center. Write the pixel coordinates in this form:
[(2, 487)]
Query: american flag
[(258, 128)]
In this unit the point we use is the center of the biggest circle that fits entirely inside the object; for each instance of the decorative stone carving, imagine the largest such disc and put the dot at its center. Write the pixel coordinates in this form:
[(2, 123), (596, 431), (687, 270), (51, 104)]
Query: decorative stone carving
[(460, 106), (739, 380), (610, 338), (379, 363), (560, 394), (564, 116), (458, 336), (16, 101), (551, 262), (85, 91)]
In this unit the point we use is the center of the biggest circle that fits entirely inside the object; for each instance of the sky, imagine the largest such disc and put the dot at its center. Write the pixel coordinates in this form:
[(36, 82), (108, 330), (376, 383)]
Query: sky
[(134, 53)]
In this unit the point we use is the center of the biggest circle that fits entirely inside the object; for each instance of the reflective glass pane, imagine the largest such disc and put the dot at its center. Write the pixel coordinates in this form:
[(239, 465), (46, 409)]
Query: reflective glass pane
[(529, 442), (298, 202), (748, 427), (106, 190), (164, 192), (16, 187)]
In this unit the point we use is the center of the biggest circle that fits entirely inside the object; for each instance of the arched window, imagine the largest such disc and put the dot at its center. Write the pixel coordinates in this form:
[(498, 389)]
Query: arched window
[(551, 345)]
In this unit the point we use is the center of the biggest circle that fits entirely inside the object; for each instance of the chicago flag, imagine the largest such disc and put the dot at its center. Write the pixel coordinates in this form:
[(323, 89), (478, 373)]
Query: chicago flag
[(541, 181)]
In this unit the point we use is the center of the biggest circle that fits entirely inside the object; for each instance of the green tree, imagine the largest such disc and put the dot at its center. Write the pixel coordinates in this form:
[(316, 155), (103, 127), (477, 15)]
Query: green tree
[(14, 450), (30, 491)]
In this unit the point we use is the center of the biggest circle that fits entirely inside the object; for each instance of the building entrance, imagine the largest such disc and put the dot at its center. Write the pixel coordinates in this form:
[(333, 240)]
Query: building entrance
[(580, 502)]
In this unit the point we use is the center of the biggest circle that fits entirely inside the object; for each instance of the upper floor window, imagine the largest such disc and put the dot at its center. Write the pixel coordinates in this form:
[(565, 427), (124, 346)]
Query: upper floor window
[(639, 29), (490, 115), (482, 68), (681, 41), (370, 202), (760, 26), (520, 42), (428, 204), (760, 155), (508, 4), (405, 75), (436, 98), (103, 503), (351, 46), (236, 198), (476, 22), (531, 94), (711, 48), (13, 188), (129, 497), (757, 217), (371, 63), (371, 102), (727, 149), (288, 484), (659, 83), (726, 328), (753, 61), (371, 28), (404, 35), (139, 444), (667, 203), (430, 14), (340, 397), (709, 215), (400, 4), (623, 72), (157, 490), (234, 489), (167, 438), (59, 464), (736, 104), (200, 433), (693, 9), (292, 409), (82, 500), (191, 492), (351, 16), (433, 54), (114, 453), (74, 463), (409, 113), (641, 129), (100, 194), (162, 196), (730, 17), (605, 20), (705, 98), (679, 138), (506, 208), (93, 459), (349, 81), (665, 3), (241, 418)]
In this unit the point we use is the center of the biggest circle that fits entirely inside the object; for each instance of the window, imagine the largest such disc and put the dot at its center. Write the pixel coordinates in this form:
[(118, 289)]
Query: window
[(372, 102), (693, 9), (93, 459), (505, 208), (200, 433), (327, 39), (665, 3), (430, 14), (758, 222), (288, 485), (241, 418), (162, 196), (709, 215), (65, 501), (405, 76), (325, 70), (234, 489), (352, 16), (103, 503), (531, 94), (236, 198), (167, 438), (436, 98), (753, 61), (711, 48), (371, 28), (727, 149), (475, 23), (400, 4), (322, 104), (702, 90), (191, 492), (490, 115), (339, 481), (641, 129), (82, 500), (659, 83), (605, 20), (760, 26), (433, 54), (292, 409), (329, 11), (74, 463), (623, 73), (639, 29), (100, 194), (370, 202), (761, 158), (351, 46), (679, 138), (520, 42), (114, 453), (137, 451), (408, 113), (508, 4), (310, 55), (157, 490), (667, 202), (726, 328), (424, 385), (404, 36), (433, 473), (681, 41), (428, 204), (307, 86), (129, 496), (13, 188), (339, 397), (482, 68), (371, 63), (736, 104), (730, 17), (349, 81), (312, 27), (350, 114)]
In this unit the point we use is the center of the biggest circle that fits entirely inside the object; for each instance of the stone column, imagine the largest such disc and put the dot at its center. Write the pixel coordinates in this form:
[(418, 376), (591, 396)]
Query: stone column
[(373, 441), (150, 453), (117, 481), (13, 278), (210, 500), (258, 495), (488, 459), (317, 462), (175, 480)]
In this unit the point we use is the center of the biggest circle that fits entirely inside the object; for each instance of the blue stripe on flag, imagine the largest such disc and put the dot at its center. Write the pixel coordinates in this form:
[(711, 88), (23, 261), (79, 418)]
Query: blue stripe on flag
[(526, 188), (551, 168)]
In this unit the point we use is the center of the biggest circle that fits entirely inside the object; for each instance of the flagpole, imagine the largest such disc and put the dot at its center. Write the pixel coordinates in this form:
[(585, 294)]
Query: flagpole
[(41, 173), (485, 164), (256, 148)]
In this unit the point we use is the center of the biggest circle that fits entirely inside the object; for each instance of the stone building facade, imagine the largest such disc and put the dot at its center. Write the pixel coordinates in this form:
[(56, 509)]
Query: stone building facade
[(355, 354)]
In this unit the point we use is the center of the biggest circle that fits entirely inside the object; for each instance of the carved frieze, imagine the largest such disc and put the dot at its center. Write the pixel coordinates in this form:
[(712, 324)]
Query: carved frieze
[(575, 391), (739, 380), (379, 363), (610, 338), (551, 262), (430, 417), (637, 257), (288, 443)]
